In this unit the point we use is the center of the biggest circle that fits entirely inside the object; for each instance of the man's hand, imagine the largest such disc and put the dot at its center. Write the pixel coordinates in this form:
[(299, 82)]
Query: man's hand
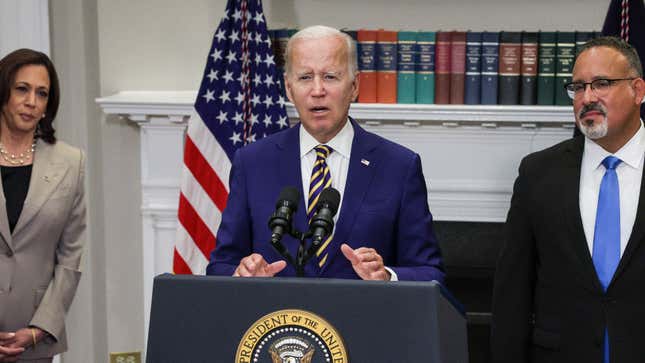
[(8, 353), (367, 263), (254, 265)]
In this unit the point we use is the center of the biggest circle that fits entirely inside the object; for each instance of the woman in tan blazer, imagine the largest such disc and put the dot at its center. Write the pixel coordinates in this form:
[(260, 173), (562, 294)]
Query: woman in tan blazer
[(42, 212)]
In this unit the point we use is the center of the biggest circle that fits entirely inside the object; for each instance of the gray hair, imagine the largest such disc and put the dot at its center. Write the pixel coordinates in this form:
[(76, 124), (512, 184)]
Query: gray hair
[(622, 47), (319, 32)]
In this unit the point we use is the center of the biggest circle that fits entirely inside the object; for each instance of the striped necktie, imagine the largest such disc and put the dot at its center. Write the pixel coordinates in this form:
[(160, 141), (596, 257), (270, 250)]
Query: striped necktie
[(606, 240), (320, 179)]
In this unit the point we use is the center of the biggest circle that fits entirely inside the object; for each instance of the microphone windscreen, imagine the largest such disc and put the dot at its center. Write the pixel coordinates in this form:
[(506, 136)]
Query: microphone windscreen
[(291, 195), (331, 197)]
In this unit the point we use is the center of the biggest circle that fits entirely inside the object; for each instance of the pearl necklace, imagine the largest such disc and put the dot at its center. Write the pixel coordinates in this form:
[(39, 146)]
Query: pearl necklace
[(19, 159)]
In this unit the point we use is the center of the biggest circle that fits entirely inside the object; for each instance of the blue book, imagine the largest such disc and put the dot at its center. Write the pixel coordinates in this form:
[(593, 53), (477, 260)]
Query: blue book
[(490, 67), (425, 67), (472, 86), (406, 77)]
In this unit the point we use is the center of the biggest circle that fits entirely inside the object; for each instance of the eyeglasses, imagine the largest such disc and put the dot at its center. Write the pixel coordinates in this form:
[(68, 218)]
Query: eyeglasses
[(599, 86)]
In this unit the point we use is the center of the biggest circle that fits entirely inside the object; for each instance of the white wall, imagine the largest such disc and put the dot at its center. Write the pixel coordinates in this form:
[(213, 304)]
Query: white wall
[(105, 46)]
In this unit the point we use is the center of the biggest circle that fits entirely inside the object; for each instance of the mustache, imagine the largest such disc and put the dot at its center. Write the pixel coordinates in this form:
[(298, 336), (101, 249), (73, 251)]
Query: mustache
[(592, 107)]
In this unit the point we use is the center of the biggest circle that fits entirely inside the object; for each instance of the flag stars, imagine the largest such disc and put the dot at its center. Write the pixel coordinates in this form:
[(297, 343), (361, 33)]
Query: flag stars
[(257, 80), (225, 96), (228, 77), (281, 101), (209, 96), (239, 98), (212, 75), (282, 121), (217, 55), (259, 18), (258, 59), (269, 81), (231, 57), (234, 37), (250, 139), (237, 15), (258, 38), (241, 79), (255, 100), (222, 117), (269, 59), (268, 101), (239, 118), (254, 119), (220, 35), (235, 138), (267, 121)]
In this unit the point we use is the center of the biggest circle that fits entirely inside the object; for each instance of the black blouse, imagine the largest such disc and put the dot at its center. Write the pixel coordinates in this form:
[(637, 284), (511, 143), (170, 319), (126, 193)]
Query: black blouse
[(15, 184)]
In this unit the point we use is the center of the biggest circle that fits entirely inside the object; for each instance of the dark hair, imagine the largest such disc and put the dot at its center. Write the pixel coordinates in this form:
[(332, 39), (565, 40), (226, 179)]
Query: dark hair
[(9, 66), (621, 46)]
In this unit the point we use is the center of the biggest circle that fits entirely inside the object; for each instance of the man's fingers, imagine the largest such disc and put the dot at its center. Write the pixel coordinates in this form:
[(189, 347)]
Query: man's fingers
[(256, 265), (349, 254), (275, 267)]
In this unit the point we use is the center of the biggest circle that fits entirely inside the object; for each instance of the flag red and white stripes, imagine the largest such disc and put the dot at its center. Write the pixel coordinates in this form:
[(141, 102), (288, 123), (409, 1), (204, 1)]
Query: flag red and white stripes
[(238, 102)]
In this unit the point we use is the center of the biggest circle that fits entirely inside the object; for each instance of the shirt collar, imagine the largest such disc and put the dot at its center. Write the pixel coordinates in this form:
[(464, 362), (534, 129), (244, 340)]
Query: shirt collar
[(631, 153), (341, 143)]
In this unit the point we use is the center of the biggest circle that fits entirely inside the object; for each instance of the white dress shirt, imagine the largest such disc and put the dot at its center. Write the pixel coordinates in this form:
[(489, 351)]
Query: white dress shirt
[(337, 161), (630, 173)]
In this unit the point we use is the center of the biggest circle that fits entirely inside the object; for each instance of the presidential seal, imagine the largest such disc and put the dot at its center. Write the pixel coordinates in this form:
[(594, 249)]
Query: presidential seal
[(291, 336)]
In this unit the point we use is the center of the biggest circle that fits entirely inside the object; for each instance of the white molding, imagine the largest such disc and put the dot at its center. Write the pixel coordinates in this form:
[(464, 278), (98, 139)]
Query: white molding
[(176, 106)]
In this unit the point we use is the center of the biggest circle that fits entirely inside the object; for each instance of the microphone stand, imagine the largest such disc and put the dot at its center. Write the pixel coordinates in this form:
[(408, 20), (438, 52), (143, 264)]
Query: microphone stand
[(303, 256)]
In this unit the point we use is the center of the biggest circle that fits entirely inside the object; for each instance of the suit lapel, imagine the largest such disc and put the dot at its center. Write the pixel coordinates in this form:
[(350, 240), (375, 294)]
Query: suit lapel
[(637, 235), (5, 232), (359, 178), (46, 175), (571, 184)]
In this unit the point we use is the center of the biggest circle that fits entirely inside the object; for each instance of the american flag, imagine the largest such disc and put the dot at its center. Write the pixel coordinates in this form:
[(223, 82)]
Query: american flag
[(626, 19), (238, 103)]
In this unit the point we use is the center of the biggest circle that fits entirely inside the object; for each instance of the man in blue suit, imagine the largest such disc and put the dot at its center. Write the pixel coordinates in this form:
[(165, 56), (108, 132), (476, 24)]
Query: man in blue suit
[(384, 227)]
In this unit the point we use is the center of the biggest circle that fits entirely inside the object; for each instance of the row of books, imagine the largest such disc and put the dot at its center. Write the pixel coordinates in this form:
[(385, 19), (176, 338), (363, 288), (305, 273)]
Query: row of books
[(457, 67)]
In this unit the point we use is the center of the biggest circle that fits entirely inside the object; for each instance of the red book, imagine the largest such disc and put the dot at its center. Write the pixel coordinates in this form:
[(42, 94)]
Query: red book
[(367, 65), (386, 52), (442, 68), (457, 67)]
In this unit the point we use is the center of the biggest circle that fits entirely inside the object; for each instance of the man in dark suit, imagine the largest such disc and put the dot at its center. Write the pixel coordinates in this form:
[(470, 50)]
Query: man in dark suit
[(384, 227), (569, 281)]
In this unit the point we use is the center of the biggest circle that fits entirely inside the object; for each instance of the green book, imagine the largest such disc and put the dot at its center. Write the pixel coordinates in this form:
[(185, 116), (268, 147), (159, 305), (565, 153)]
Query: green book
[(565, 52), (425, 67), (406, 78), (546, 69)]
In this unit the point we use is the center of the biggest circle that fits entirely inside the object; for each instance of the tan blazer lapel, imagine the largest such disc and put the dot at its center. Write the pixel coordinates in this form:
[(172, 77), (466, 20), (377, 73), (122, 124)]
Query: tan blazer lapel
[(46, 175), (5, 232)]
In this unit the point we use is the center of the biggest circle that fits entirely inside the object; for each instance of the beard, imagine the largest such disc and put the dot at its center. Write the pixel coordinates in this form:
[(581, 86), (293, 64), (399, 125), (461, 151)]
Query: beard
[(592, 129)]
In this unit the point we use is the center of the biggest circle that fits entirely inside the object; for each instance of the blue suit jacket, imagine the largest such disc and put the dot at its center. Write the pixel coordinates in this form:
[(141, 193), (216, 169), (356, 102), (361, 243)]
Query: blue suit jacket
[(384, 207)]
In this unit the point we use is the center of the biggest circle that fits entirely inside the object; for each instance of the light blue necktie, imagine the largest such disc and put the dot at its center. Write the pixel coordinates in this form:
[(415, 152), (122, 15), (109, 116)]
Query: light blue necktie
[(606, 240)]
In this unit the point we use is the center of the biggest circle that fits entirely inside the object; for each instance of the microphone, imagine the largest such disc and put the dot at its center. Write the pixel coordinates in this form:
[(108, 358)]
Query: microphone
[(280, 221), (322, 223)]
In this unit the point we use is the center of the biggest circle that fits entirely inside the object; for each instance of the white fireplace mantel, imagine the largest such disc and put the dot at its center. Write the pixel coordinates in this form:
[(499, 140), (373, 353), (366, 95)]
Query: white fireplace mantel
[(470, 156)]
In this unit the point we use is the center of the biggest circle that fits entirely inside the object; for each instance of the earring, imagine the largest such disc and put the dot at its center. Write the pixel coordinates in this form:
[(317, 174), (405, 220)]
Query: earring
[(44, 115)]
